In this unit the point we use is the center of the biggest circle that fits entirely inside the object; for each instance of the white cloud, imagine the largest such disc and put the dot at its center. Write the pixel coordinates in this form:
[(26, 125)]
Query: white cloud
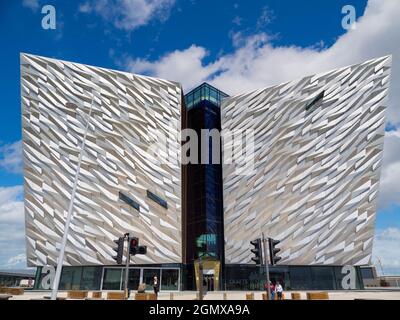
[(129, 14), (31, 4), (258, 63), (11, 207), (16, 260), (182, 66), (12, 230), (265, 18), (11, 157), (389, 191), (387, 250)]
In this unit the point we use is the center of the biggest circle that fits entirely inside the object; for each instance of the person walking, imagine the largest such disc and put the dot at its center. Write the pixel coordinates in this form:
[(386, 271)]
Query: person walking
[(279, 290), (156, 285)]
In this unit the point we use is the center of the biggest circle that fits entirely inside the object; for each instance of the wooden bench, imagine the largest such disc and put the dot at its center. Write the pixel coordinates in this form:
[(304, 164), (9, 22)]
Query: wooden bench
[(317, 296), (15, 291), (296, 296), (145, 296), (151, 296), (116, 295), (5, 296), (77, 294), (140, 296), (250, 296)]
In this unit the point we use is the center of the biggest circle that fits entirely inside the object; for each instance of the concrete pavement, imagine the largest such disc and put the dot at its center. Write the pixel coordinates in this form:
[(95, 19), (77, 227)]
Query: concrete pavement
[(379, 294)]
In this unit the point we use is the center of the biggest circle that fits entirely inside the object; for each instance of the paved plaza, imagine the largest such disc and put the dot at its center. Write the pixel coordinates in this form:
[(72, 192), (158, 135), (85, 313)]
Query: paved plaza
[(378, 294)]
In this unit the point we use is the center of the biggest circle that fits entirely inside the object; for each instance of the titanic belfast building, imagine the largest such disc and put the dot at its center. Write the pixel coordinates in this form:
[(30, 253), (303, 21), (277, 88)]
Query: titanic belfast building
[(307, 175)]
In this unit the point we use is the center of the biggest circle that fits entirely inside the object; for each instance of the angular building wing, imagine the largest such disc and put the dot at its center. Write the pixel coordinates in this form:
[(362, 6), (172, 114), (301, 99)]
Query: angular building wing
[(312, 180), (122, 186)]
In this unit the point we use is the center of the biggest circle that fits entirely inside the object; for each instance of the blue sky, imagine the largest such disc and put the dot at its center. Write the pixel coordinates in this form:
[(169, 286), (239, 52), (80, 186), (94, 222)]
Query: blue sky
[(232, 44)]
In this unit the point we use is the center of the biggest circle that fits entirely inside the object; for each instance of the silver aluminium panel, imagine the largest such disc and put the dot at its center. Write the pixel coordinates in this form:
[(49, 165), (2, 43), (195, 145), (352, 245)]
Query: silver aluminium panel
[(129, 114), (315, 178)]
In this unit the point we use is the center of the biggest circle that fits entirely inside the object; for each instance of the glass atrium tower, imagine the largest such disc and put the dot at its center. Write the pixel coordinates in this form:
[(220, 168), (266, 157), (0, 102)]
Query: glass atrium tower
[(203, 201)]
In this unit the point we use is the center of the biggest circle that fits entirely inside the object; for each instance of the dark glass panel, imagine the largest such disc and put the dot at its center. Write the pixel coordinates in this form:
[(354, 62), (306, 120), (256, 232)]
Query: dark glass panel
[(112, 279), (91, 277), (322, 278), (157, 199), (70, 278), (148, 275), (300, 278), (129, 201), (169, 279), (133, 279)]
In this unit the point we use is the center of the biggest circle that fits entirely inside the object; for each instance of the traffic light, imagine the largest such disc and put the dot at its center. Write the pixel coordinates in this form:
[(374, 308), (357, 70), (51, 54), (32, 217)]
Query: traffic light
[(119, 250), (134, 247), (142, 250), (257, 251), (273, 250), (134, 244)]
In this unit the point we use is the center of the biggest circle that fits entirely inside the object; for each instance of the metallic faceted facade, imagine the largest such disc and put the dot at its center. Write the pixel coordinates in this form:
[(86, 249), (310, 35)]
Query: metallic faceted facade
[(313, 185), (129, 112), (316, 172)]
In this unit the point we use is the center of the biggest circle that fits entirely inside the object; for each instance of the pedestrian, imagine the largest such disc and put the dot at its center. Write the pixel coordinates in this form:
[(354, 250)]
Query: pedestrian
[(156, 285), (272, 290), (279, 290)]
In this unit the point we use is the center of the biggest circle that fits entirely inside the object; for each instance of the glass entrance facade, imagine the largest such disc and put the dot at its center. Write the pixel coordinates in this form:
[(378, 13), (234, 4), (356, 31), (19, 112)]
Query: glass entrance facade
[(113, 277), (203, 208), (175, 278), (169, 278)]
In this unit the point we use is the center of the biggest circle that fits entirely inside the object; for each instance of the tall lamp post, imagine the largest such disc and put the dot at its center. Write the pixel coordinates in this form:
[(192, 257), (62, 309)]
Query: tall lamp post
[(60, 261), (264, 241)]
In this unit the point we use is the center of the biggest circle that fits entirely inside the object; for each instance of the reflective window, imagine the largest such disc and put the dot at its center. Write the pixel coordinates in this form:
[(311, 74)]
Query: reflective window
[(70, 278), (240, 277), (170, 279), (204, 92), (214, 96), (157, 199), (112, 279), (91, 277), (367, 273), (148, 275), (300, 278), (129, 201), (322, 278), (133, 279)]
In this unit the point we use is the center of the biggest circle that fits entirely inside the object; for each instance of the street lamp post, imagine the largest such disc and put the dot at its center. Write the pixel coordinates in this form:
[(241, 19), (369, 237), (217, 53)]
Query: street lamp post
[(69, 215), (128, 258), (264, 241)]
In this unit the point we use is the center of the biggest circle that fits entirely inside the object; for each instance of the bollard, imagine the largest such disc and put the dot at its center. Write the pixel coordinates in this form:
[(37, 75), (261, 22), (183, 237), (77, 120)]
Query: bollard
[(171, 296), (224, 296)]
